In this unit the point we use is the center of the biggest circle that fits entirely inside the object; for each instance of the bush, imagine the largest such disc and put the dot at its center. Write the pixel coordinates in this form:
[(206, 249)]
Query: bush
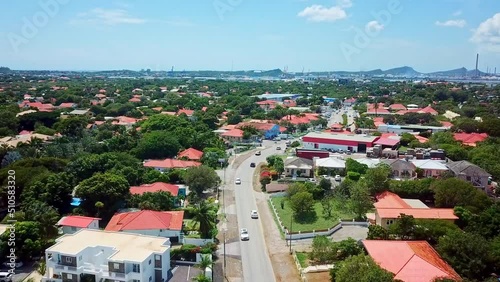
[(353, 175)]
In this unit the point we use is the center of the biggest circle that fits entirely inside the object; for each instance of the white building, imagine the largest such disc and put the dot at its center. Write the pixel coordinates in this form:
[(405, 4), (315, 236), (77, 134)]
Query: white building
[(431, 168), (107, 256), (73, 223)]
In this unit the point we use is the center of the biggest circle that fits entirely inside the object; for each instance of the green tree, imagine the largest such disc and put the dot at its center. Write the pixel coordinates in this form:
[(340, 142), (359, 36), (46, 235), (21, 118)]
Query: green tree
[(55, 190), (44, 214), (157, 201), (453, 192), (205, 214), (355, 166), (325, 184), (360, 268), (28, 240), (328, 206), (201, 178), (467, 253), (347, 248), (377, 178), (72, 126), (157, 145), (487, 223), (360, 202), (377, 232), (110, 189), (322, 252), (205, 262), (302, 204), (404, 227)]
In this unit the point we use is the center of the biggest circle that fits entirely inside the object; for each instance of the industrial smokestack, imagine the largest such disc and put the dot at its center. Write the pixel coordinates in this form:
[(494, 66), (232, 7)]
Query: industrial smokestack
[(477, 61)]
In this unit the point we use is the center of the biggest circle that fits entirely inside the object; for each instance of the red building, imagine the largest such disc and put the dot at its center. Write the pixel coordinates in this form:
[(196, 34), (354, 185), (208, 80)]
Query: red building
[(311, 153), (345, 142)]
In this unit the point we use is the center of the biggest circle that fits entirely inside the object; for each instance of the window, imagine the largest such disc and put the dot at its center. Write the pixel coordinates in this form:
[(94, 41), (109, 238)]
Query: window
[(136, 268), (116, 265), (150, 278), (135, 280), (69, 259), (70, 276), (157, 257), (73, 228), (149, 261)]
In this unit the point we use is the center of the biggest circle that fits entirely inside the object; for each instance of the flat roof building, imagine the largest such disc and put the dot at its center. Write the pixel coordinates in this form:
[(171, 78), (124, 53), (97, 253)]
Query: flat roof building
[(332, 141)]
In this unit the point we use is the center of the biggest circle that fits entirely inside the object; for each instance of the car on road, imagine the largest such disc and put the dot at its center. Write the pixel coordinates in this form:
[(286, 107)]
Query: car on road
[(244, 234), (257, 153), (338, 178), (5, 276), (237, 181), (254, 214), (278, 148), (252, 164)]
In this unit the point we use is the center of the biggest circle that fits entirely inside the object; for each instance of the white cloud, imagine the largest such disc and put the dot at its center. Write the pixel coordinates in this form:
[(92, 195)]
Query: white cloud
[(344, 3), (101, 16), (457, 13), (319, 13), (452, 23), (488, 33), (374, 26)]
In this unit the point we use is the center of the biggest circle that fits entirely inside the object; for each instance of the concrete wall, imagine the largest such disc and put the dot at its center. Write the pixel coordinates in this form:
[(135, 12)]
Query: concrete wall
[(197, 242)]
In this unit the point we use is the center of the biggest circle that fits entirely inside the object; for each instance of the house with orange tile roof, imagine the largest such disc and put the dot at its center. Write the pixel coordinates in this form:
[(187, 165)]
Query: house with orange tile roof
[(135, 100), (155, 187), (190, 154), (167, 224), (73, 223), (267, 104), (304, 118), (268, 129), (39, 105), (470, 139), (233, 135), (167, 164), (397, 107), (390, 206), (380, 110), (410, 261)]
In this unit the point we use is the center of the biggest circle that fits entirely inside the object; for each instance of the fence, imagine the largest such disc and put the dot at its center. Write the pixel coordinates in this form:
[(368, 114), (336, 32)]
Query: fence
[(311, 234), (196, 241), (299, 267)]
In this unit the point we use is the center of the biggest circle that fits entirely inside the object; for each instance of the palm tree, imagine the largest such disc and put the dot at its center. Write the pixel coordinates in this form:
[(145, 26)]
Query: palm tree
[(206, 261), (204, 213), (202, 278)]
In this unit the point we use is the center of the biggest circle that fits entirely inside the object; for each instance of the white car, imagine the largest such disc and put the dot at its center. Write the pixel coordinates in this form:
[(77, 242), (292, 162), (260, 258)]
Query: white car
[(254, 214), (244, 234), (5, 276), (338, 178), (237, 181)]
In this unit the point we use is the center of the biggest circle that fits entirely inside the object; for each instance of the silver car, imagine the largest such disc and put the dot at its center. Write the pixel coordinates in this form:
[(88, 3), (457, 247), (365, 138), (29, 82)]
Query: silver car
[(244, 234)]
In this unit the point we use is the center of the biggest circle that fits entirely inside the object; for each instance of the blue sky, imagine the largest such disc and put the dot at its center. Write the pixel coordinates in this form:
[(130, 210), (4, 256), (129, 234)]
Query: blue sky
[(429, 35)]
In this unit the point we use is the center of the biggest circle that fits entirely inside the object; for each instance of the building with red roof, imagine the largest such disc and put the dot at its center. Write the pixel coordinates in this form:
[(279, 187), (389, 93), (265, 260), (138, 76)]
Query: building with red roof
[(134, 100), (168, 164), (380, 110), (67, 105), (268, 129), (233, 135), (73, 223), (390, 206), (397, 107), (410, 261), (40, 106), (188, 113), (470, 139), (337, 127), (155, 187), (304, 118), (167, 224), (190, 154)]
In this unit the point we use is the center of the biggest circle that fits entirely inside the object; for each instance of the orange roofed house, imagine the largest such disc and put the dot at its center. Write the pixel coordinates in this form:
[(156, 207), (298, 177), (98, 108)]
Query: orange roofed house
[(167, 164), (190, 154), (410, 261), (73, 223), (390, 206), (152, 223)]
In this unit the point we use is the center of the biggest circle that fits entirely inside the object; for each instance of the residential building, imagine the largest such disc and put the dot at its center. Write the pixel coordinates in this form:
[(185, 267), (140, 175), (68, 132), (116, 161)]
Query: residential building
[(107, 256), (233, 135), (410, 261), (157, 187), (190, 154), (346, 142), (303, 118), (166, 224), (74, 223), (470, 139), (167, 164), (431, 168), (349, 102), (470, 172), (401, 169), (86, 112), (390, 206), (268, 130), (298, 167), (279, 97)]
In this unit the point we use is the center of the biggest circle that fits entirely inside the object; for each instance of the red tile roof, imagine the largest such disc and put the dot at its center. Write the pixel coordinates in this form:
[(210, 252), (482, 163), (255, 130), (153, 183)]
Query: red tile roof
[(419, 213), (397, 107), (386, 142), (470, 139), (25, 132), (191, 154), (135, 100), (233, 133), (421, 139), (155, 187), (301, 119), (146, 220), (76, 221), (410, 261), (170, 163), (390, 200), (67, 105), (446, 123), (187, 112), (266, 103), (337, 126)]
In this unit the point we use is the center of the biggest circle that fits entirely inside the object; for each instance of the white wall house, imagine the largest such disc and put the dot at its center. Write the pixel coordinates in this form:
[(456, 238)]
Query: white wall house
[(108, 256), (153, 223), (73, 223)]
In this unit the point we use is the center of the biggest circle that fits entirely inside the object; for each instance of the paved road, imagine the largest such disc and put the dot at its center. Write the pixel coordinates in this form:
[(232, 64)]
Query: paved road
[(254, 254), (337, 117)]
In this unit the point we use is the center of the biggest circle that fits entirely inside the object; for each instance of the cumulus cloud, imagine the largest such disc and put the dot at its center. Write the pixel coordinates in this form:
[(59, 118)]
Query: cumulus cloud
[(374, 26), (107, 17), (488, 33), (319, 13), (452, 23)]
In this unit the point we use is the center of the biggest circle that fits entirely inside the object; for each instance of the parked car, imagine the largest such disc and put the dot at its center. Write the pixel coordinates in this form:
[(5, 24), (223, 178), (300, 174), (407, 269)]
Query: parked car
[(257, 153), (278, 148), (237, 181), (254, 214), (338, 178), (244, 234), (252, 164), (5, 276)]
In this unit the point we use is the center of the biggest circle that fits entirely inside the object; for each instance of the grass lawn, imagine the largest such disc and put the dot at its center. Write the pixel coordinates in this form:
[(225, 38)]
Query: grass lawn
[(313, 223), (303, 259)]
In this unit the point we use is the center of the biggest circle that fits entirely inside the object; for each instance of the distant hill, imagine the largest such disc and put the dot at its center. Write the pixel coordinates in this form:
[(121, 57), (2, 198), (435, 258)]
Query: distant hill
[(4, 70), (402, 71)]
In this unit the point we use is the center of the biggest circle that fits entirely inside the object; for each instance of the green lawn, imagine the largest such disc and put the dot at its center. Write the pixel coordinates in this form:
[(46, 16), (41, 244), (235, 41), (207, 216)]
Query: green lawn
[(319, 222), (303, 259)]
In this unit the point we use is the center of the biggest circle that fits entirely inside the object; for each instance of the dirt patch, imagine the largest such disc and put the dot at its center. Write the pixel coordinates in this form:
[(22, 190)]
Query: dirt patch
[(256, 177), (318, 276)]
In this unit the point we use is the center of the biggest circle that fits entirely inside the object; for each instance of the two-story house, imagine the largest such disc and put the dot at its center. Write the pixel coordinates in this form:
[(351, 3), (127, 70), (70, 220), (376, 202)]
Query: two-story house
[(95, 255), (471, 173)]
